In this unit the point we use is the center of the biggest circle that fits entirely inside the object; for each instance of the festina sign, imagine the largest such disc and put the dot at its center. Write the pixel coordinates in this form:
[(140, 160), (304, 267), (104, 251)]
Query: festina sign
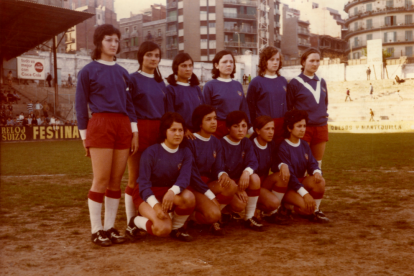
[(31, 68)]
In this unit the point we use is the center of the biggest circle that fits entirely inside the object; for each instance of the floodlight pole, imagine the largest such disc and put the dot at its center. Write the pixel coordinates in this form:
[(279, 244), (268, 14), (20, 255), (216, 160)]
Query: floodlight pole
[(55, 73)]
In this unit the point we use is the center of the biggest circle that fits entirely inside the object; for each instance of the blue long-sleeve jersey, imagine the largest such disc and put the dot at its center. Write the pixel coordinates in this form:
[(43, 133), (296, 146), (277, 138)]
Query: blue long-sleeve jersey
[(105, 86), (267, 157), (225, 97), (237, 157), (310, 95), (267, 96), (149, 97), (183, 100), (299, 158), (161, 168)]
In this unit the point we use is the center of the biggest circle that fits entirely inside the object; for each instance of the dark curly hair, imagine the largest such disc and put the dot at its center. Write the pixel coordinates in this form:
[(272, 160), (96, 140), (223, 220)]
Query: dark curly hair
[(145, 47), (215, 72), (236, 117), (291, 118), (305, 55), (166, 122), (98, 37), (266, 54), (181, 58)]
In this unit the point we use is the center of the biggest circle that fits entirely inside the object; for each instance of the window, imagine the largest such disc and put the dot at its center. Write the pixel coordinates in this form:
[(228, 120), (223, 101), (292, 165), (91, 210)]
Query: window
[(408, 19), (99, 16), (369, 37), (212, 24), (356, 41), (409, 51), (369, 24), (355, 10), (369, 7), (390, 20), (356, 55), (159, 32), (390, 3), (408, 3), (390, 37), (355, 26), (409, 35), (391, 51), (135, 28), (127, 30)]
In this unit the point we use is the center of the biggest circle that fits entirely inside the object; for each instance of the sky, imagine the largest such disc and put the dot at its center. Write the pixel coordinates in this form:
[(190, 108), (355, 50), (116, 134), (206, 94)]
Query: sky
[(124, 7)]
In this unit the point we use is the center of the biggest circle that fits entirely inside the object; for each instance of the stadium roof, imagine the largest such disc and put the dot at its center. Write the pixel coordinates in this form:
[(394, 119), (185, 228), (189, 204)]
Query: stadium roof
[(26, 24)]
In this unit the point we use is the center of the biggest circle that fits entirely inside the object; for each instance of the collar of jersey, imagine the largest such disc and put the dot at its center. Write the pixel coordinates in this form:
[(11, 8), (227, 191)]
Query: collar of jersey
[(146, 74), (110, 63), (231, 142), (201, 137), (168, 149), (258, 144), (307, 79), (183, 83), (270, 77), (293, 144), (224, 80)]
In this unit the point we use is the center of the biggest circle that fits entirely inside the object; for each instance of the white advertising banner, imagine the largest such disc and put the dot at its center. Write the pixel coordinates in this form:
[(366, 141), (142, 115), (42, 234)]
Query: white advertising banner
[(31, 68), (374, 57)]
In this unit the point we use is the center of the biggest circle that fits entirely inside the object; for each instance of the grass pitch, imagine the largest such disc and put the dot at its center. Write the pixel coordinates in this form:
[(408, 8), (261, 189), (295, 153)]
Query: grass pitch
[(45, 229)]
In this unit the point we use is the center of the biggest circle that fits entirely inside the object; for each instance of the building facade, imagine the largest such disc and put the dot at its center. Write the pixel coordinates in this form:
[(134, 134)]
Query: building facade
[(296, 37), (155, 31), (388, 20), (204, 27)]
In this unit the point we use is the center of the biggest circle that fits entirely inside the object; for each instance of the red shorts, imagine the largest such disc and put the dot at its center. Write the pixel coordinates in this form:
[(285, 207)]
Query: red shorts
[(278, 137), (315, 135), (221, 129), (159, 193), (109, 130), (148, 132)]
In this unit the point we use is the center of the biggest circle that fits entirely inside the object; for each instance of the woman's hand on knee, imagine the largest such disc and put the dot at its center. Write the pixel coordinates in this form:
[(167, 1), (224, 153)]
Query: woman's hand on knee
[(310, 203), (168, 201), (318, 177), (159, 212), (244, 181), (284, 173)]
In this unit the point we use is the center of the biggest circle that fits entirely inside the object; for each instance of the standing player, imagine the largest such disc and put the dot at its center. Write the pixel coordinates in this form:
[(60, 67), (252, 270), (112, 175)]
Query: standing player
[(111, 134), (309, 93), (223, 93), (305, 193), (183, 93), (266, 95), (164, 175), (273, 186), (240, 163), (208, 171), (149, 100)]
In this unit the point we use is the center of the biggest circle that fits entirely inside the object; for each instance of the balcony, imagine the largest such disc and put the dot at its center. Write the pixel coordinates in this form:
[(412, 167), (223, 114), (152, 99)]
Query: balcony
[(125, 36), (171, 33), (278, 37), (129, 49), (241, 2), (242, 30), (303, 32), (69, 41), (172, 18), (276, 11), (361, 15), (242, 44), (277, 24), (362, 30), (240, 16), (171, 5), (350, 4), (304, 44), (172, 46)]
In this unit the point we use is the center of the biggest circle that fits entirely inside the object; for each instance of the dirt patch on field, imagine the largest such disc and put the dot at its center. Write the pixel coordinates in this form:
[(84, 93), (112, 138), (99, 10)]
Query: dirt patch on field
[(371, 233)]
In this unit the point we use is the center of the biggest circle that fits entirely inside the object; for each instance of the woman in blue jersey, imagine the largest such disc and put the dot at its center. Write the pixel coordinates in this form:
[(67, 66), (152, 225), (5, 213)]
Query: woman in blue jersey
[(211, 185), (111, 134), (164, 175), (266, 95), (224, 93), (305, 191), (183, 93), (273, 186), (148, 97), (309, 93)]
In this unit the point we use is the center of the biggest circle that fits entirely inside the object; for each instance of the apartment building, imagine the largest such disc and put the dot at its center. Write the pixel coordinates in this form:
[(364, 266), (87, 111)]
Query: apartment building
[(388, 20), (296, 37), (204, 27)]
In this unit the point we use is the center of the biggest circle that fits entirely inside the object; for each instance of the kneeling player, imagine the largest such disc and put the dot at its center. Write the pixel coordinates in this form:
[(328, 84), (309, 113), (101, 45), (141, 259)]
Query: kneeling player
[(213, 187), (240, 162), (273, 186), (164, 174), (304, 192)]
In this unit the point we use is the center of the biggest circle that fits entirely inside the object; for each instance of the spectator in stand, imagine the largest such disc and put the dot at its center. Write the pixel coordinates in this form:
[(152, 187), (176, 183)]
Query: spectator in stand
[(3, 121), (29, 120), (10, 107), (371, 90), (38, 108), (46, 109), (45, 120), (70, 83), (53, 122), (67, 123), (30, 107), (34, 121), (3, 97), (39, 121), (72, 122), (11, 97), (10, 78), (17, 96), (18, 121), (49, 79), (368, 74), (3, 110), (372, 115), (10, 122), (21, 116)]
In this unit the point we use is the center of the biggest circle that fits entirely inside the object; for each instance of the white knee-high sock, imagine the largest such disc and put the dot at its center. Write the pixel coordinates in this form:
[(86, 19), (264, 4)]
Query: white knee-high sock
[(129, 204), (111, 208), (95, 209), (251, 207), (318, 203), (178, 221), (141, 222)]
